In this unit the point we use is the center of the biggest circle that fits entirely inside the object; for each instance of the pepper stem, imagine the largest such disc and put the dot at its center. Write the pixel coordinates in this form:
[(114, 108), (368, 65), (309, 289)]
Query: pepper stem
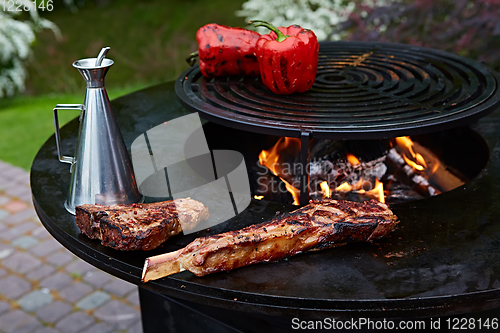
[(260, 23), (191, 59)]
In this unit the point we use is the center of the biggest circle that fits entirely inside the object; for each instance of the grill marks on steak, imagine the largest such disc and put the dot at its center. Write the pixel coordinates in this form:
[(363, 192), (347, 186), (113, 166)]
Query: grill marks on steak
[(139, 226), (321, 224)]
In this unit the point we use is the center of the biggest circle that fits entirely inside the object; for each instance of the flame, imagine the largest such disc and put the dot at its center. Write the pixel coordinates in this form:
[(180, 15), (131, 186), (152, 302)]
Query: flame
[(413, 164), (274, 157), (434, 169), (377, 191), (380, 191), (352, 159), (419, 158), (294, 191), (416, 161), (344, 187), (326, 189), (258, 197)]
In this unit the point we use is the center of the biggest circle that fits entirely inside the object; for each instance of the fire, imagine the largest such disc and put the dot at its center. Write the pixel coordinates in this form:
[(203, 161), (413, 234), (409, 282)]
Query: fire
[(275, 158), (377, 191), (344, 187), (428, 164), (352, 159), (326, 189), (294, 191), (417, 161), (413, 164), (420, 165)]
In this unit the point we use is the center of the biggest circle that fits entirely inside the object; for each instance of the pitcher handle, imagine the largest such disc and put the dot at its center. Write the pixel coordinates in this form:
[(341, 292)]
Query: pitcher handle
[(81, 107)]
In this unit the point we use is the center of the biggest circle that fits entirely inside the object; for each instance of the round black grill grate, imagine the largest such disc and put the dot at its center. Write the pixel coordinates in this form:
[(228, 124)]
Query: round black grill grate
[(362, 90)]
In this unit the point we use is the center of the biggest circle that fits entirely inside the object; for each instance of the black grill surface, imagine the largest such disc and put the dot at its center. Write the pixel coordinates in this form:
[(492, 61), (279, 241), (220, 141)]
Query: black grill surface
[(443, 259), (363, 90)]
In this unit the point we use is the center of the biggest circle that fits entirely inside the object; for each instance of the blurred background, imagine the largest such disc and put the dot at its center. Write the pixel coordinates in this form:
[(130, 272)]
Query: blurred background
[(150, 39)]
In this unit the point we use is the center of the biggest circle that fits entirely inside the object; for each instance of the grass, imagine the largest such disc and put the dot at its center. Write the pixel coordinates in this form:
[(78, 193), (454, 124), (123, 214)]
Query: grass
[(149, 40), (26, 123)]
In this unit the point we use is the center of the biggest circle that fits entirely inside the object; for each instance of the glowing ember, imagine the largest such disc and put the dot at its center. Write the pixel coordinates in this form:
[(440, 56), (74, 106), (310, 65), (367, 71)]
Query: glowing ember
[(352, 159), (344, 187)]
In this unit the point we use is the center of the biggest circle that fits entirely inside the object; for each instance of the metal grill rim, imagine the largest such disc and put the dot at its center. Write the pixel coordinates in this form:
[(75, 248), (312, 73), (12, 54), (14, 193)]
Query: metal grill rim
[(363, 90)]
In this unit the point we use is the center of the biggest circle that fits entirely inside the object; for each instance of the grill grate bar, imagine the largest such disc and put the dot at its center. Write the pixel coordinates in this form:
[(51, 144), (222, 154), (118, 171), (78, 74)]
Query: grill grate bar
[(363, 90)]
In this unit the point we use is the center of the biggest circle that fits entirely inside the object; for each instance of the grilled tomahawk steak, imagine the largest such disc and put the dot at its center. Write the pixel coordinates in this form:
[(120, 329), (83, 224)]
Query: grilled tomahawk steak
[(319, 225), (139, 226)]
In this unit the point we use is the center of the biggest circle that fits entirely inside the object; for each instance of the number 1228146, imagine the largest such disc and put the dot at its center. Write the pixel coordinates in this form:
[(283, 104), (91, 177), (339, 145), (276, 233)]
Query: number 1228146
[(26, 5)]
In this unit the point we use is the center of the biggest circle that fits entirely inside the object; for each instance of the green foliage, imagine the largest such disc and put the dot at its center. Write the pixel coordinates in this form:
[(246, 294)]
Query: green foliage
[(27, 122), (18, 24), (149, 41)]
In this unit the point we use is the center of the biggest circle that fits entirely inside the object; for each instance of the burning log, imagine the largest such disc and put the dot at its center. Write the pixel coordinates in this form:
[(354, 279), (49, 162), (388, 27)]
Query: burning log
[(403, 172), (358, 170), (426, 166), (366, 151), (338, 170)]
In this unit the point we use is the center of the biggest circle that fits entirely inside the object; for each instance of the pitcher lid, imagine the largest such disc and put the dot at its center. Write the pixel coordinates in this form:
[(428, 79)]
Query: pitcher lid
[(89, 63)]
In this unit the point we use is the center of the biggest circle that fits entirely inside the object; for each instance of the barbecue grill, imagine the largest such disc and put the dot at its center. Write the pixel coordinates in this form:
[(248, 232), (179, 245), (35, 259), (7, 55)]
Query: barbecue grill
[(443, 259), (362, 91)]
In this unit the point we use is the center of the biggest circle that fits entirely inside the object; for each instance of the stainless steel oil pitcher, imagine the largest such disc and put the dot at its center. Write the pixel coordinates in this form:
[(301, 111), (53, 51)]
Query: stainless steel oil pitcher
[(101, 170)]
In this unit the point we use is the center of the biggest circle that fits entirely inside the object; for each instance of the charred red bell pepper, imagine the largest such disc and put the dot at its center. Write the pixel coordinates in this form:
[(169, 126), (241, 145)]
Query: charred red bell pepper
[(288, 58), (227, 51)]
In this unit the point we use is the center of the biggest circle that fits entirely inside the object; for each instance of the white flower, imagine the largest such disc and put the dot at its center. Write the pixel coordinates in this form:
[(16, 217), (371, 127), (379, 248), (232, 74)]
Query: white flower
[(16, 38), (320, 16)]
